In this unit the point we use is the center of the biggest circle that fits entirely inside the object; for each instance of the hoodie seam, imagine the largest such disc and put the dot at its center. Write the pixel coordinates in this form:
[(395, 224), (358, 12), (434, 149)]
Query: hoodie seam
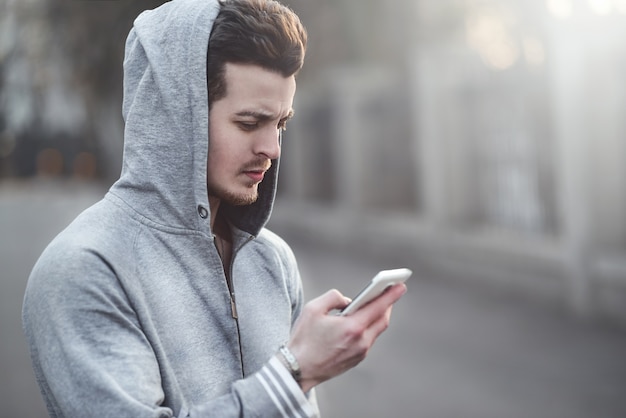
[(134, 214)]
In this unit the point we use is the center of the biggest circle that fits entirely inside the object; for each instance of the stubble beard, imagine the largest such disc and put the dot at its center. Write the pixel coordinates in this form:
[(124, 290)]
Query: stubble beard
[(235, 199)]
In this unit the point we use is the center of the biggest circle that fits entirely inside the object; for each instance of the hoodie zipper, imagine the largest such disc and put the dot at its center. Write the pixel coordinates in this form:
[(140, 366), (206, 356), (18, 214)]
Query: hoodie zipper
[(228, 270), (229, 278), (229, 283), (231, 290)]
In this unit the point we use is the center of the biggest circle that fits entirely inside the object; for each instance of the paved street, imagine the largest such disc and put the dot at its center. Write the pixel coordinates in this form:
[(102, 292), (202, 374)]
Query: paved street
[(452, 351), (30, 216)]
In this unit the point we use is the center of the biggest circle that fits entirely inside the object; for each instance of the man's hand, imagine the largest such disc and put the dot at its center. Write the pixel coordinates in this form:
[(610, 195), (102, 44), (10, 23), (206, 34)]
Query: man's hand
[(328, 345)]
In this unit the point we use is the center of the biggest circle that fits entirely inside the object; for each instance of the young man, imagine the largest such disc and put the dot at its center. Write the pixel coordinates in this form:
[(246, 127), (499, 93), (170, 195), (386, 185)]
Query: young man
[(169, 297)]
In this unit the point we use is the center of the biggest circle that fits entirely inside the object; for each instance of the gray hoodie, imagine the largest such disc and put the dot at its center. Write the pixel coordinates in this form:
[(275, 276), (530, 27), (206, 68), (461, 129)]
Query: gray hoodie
[(127, 312)]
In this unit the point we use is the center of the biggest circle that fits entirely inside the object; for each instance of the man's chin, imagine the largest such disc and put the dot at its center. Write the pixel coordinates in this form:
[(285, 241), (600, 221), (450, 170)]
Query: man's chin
[(242, 201), (237, 199)]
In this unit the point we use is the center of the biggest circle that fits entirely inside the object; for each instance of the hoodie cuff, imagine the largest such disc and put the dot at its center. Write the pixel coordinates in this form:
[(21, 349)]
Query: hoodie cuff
[(284, 391)]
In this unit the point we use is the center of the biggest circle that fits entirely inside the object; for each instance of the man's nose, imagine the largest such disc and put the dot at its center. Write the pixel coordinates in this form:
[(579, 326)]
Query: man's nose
[(268, 143)]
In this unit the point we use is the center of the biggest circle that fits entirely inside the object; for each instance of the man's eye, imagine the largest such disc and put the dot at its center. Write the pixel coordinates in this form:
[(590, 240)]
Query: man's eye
[(282, 125), (248, 126)]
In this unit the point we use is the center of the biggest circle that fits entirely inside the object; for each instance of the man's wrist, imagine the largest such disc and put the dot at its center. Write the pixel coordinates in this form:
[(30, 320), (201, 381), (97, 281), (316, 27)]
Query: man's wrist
[(290, 362)]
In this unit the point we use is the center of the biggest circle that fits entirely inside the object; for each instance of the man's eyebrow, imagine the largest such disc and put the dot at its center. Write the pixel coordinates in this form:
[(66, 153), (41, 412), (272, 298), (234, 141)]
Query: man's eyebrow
[(263, 116)]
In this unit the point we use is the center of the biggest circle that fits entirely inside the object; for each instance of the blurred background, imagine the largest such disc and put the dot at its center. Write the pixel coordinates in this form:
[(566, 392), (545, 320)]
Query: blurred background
[(480, 142)]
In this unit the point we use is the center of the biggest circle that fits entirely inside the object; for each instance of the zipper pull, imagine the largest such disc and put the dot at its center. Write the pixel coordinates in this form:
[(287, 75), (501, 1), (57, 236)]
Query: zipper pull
[(233, 307)]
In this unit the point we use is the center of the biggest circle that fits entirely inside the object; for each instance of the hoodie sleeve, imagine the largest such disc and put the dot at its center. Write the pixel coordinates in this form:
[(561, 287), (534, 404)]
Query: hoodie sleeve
[(271, 392), (89, 354), (91, 357)]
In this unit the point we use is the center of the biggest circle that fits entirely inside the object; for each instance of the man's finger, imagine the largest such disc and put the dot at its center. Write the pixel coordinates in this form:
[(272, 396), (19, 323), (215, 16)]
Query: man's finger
[(332, 299), (375, 309)]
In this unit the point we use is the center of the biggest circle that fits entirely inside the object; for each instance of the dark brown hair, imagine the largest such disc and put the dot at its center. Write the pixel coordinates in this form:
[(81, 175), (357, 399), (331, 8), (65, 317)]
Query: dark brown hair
[(259, 32)]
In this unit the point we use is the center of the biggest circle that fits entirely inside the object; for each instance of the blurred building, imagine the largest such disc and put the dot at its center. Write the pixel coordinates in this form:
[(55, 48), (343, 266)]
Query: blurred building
[(489, 145), (60, 87)]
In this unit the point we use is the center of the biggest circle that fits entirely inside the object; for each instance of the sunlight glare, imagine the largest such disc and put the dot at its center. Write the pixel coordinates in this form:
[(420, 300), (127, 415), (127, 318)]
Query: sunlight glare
[(620, 6), (600, 7), (489, 35), (561, 9)]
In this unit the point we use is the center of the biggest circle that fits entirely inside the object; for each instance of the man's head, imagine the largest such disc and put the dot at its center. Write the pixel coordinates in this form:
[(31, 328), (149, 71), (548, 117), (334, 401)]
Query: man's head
[(258, 32), (255, 50)]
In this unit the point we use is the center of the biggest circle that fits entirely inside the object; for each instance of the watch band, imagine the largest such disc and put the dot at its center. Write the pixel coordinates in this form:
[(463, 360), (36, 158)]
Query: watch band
[(290, 362)]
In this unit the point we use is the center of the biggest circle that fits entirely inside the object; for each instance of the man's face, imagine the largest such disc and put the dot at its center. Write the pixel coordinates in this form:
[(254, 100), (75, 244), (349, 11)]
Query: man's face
[(244, 131)]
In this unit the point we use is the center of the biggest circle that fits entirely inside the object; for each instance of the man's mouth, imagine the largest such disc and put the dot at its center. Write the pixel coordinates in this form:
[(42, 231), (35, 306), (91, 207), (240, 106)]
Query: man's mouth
[(255, 175), (256, 170)]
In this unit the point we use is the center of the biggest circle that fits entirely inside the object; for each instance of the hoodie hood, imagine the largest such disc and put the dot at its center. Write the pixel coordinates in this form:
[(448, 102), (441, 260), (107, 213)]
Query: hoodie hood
[(166, 113)]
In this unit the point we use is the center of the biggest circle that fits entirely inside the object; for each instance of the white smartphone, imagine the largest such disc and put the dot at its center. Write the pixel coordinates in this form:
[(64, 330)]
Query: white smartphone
[(377, 285)]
